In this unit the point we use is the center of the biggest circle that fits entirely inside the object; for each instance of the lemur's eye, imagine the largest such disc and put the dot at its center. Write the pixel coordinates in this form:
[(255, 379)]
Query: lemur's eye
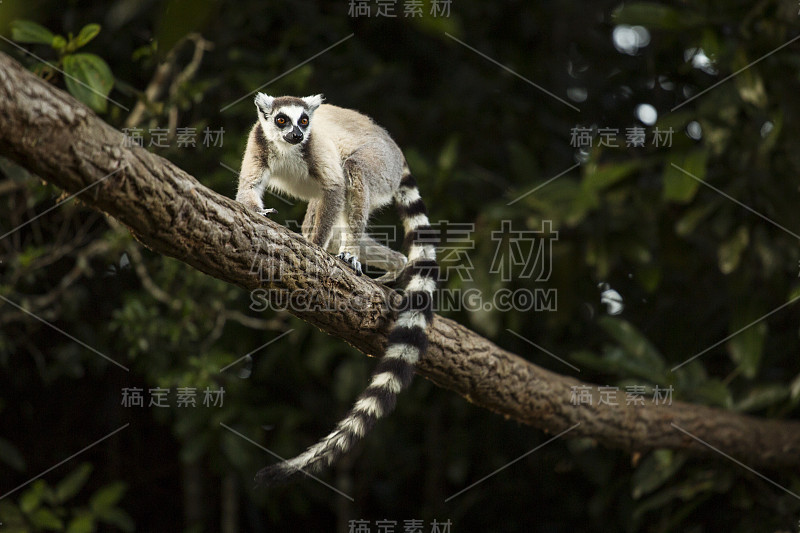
[(304, 121), (280, 120)]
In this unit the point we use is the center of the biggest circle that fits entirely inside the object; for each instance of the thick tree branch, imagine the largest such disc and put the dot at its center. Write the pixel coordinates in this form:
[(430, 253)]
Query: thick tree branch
[(49, 133)]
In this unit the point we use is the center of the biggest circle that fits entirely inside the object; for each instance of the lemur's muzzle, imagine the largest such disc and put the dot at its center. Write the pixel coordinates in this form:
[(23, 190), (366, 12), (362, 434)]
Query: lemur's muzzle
[(294, 136)]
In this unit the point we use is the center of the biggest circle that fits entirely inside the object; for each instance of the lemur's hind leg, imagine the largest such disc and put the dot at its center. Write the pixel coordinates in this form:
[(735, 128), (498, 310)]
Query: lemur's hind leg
[(352, 221), (356, 245)]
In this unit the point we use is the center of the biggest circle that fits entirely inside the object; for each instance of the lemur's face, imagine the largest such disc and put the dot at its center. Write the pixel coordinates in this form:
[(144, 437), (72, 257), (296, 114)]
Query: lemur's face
[(286, 119)]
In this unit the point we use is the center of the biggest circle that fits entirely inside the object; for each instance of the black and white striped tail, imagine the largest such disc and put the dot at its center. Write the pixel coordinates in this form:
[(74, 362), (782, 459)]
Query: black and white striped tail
[(406, 344)]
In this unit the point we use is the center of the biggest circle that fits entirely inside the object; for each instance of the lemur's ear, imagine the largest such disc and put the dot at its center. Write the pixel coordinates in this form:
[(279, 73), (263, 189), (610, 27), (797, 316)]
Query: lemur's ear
[(264, 102), (313, 102)]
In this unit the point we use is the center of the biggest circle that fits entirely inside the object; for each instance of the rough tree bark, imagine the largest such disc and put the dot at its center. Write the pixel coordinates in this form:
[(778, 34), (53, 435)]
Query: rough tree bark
[(51, 134)]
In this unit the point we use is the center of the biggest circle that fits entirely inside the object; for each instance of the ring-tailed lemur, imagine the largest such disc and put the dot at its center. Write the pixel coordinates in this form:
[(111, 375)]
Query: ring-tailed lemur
[(346, 167)]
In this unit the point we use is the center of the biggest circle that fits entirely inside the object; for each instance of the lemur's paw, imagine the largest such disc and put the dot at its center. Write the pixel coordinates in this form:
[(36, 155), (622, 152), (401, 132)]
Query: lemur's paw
[(351, 260), (267, 211)]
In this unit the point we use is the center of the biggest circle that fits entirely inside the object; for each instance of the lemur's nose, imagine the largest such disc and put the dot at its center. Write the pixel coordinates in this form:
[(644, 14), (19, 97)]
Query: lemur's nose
[(294, 136)]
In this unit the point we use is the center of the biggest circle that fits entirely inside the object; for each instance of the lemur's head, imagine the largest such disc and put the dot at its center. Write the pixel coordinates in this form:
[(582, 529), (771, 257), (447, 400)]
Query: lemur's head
[(286, 118)]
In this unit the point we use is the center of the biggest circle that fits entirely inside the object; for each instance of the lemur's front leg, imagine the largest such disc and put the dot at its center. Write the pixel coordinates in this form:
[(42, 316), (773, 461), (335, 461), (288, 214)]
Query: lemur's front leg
[(309, 220), (253, 179), (328, 213)]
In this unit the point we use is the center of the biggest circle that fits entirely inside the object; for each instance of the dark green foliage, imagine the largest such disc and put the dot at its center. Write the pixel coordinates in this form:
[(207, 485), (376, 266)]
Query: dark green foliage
[(87, 76), (700, 238), (45, 508)]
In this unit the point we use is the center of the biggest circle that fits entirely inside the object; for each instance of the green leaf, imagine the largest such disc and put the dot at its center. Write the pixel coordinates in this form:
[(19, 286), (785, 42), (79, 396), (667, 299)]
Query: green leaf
[(654, 15), (73, 483), (82, 523), (117, 517), (32, 498), (747, 346), (59, 43), (603, 176), (729, 253), (654, 471), (26, 31), (106, 497), (749, 83), (588, 359), (710, 44), (449, 155), (46, 519), (88, 79), (712, 392), (692, 218), (794, 293), (761, 397), (30, 254), (11, 517), (682, 180), (691, 490), (86, 34), (641, 357), (583, 202), (145, 52)]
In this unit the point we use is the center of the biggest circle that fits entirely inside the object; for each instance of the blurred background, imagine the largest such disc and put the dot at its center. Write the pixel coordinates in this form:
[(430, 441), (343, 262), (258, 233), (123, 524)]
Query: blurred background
[(653, 147)]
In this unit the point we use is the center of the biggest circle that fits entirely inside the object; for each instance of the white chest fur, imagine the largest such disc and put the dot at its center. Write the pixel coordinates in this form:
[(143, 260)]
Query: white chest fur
[(289, 175)]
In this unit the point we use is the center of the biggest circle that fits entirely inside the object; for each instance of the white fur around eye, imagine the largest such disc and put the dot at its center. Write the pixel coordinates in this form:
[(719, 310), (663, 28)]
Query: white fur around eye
[(294, 112)]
